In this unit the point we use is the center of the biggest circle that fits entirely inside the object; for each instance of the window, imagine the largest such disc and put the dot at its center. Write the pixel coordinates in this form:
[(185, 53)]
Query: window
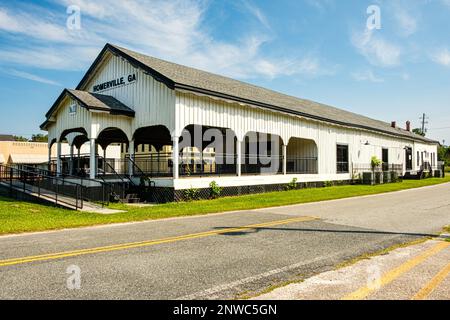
[(418, 158), (73, 109), (342, 159)]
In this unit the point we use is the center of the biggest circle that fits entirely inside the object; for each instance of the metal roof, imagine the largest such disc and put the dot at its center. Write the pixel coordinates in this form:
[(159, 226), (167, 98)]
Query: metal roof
[(185, 78), (27, 158), (91, 101), (101, 102)]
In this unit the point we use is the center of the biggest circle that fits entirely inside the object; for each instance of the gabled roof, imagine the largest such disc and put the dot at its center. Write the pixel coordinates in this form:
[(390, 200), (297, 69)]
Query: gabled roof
[(91, 101), (184, 78)]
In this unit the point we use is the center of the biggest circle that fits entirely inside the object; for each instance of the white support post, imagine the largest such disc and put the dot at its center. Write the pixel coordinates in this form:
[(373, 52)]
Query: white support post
[(79, 160), (104, 161), (92, 160), (49, 157), (175, 157), (284, 148), (131, 152), (239, 158), (58, 159), (71, 159)]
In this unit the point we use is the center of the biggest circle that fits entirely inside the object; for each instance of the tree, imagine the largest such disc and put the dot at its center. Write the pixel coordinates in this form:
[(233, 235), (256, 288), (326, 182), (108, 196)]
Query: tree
[(20, 139), (39, 138), (444, 154), (419, 132)]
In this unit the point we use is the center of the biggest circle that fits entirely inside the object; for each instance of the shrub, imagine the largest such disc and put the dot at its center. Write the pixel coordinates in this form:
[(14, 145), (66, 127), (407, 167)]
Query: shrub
[(328, 184), (191, 194), (292, 185), (375, 163), (215, 190)]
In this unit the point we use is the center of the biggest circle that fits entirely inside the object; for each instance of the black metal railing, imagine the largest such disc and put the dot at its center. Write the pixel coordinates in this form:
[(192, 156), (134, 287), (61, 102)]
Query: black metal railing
[(262, 164), (160, 165), (207, 164), (94, 190), (342, 167), (302, 165), (385, 167), (42, 186)]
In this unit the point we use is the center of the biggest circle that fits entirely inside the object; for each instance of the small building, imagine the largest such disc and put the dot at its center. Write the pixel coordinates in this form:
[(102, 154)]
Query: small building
[(184, 128), (38, 154)]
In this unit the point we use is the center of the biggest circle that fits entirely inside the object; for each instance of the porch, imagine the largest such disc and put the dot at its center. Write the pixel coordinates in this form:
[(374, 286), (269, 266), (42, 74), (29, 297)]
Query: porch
[(201, 152)]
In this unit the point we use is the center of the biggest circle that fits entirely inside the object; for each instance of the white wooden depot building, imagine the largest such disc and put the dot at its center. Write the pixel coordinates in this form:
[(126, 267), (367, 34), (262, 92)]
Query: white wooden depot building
[(147, 105)]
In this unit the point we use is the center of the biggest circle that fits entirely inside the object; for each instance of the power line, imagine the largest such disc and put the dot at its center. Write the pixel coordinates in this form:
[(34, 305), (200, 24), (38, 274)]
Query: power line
[(443, 128)]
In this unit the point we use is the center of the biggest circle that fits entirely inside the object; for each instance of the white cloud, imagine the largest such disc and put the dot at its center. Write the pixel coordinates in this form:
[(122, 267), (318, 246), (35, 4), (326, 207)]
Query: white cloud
[(406, 21), (377, 50), (366, 75), (33, 27), (171, 30), (320, 5), (257, 13), (52, 58), (446, 2), (441, 57), (32, 77)]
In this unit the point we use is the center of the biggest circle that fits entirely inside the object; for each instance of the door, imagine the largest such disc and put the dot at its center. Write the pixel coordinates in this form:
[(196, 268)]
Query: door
[(385, 159), (409, 159)]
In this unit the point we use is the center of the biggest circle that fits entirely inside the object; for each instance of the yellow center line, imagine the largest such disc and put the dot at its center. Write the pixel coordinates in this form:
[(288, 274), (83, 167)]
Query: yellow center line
[(66, 254), (431, 286), (390, 276)]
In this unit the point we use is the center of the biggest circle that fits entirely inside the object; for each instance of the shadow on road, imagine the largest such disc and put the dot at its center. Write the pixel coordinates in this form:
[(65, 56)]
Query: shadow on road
[(368, 232)]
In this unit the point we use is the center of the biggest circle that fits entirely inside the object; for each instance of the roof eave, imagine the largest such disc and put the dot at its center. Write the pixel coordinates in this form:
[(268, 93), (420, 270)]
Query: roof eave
[(116, 51)]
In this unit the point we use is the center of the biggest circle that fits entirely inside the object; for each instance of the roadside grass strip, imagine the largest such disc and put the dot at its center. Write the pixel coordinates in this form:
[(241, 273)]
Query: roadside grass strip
[(131, 245), (428, 289), (20, 217), (390, 276)]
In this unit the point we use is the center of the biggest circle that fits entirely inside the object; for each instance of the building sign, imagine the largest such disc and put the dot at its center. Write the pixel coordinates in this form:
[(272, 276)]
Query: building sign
[(115, 83)]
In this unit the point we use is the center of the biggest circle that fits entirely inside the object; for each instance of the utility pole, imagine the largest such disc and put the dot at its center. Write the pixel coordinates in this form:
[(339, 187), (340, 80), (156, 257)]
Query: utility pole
[(424, 119)]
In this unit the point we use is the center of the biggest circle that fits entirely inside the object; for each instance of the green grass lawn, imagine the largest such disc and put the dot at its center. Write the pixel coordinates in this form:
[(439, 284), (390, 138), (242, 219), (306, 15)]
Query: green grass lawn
[(18, 216)]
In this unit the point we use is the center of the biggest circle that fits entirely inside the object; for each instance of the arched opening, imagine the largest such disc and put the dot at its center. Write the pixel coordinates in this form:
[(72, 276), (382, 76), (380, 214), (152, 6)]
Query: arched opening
[(302, 156), (64, 134), (111, 135), (262, 154), (65, 157), (152, 152), (207, 151), (111, 140)]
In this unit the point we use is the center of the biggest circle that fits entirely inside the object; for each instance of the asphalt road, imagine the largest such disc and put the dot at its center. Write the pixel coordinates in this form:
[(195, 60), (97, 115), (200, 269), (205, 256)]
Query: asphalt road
[(217, 256)]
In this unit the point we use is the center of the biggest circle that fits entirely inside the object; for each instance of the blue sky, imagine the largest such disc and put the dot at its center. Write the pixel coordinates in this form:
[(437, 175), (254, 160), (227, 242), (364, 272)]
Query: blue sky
[(314, 49)]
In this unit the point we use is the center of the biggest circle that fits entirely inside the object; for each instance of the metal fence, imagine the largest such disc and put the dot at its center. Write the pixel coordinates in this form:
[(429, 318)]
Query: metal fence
[(359, 168), (94, 190), (43, 186), (301, 165)]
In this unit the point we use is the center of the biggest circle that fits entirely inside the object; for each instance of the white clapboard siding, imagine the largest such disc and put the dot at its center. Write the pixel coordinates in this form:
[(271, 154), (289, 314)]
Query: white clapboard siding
[(153, 102)]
